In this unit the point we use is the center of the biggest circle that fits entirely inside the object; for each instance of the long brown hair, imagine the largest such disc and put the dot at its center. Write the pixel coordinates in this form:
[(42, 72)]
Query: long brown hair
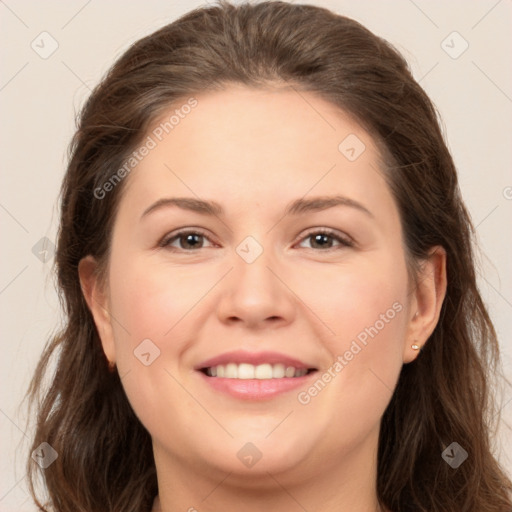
[(105, 461)]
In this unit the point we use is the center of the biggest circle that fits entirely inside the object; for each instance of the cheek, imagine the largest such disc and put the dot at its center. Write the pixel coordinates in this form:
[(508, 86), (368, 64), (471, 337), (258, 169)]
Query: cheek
[(147, 306), (371, 306), (150, 300), (363, 313), (355, 300), (156, 302), (145, 303), (366, 310)]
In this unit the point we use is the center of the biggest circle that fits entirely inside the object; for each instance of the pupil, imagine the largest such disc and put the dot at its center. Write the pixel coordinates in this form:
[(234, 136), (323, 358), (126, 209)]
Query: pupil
[(321, 237), (189, 239)]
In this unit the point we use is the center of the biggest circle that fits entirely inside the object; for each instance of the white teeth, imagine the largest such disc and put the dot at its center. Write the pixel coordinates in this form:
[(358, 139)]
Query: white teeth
[(263, 371), (231, 371), (278, 371), (249, 371), (245, 371)]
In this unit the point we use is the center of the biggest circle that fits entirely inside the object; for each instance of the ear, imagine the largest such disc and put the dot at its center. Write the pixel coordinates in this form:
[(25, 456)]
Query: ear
[(97, 299), (426, 301)]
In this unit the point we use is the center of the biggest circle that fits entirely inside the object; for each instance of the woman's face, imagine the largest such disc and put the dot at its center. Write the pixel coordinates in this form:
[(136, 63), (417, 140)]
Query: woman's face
[(257, 292)]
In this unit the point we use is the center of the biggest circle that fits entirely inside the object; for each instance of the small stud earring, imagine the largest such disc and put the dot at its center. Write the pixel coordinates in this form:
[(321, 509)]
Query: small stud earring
[(415, 347)]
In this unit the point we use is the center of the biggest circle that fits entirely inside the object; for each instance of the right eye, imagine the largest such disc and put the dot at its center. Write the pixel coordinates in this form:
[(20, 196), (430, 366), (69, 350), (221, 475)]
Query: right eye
[(189, 240)]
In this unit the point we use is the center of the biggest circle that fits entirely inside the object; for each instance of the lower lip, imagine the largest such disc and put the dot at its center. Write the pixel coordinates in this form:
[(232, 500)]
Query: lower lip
[(255, 389)]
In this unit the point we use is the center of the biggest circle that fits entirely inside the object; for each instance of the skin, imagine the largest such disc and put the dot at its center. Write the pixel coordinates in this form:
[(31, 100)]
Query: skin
[(254, 152)]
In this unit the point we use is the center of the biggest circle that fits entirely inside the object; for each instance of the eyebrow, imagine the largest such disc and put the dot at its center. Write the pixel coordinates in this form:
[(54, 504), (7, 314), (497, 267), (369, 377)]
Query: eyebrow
[(297, 207)]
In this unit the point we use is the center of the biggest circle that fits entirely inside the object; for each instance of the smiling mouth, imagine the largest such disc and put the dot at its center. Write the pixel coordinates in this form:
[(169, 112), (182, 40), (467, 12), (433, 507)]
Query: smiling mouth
[(245, 371)]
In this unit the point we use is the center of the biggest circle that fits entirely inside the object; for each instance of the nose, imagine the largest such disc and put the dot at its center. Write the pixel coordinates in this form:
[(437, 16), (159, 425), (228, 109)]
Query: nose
[(256, 294)]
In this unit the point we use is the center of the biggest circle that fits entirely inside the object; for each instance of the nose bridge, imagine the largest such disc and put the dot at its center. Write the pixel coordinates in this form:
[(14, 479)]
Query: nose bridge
[(254, 292), (252, 262)]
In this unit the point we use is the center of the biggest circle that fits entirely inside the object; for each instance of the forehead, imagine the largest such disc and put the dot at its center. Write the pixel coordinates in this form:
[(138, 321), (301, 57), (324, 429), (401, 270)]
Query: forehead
[(272, 145)]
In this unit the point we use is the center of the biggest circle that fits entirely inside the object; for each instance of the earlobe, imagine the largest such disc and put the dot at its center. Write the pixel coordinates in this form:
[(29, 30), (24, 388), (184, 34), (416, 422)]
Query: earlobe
[(427, 300), (97, 300)]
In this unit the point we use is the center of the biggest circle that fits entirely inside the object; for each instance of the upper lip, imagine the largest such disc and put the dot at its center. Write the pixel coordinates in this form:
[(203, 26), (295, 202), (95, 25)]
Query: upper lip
[(254, 358)]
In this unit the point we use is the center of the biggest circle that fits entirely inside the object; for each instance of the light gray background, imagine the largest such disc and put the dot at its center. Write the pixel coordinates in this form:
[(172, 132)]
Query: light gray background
[(39, 98)]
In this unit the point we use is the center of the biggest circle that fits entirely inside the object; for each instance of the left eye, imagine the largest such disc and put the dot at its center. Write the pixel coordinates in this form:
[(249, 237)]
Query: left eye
[(322, 236), (190, 240)]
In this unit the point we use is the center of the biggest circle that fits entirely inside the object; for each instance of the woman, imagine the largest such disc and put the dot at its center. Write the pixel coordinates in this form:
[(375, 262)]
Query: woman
[(269, 283)]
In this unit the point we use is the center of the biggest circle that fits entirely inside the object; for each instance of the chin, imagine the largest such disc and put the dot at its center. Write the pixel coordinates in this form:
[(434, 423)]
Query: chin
[(254, 454)]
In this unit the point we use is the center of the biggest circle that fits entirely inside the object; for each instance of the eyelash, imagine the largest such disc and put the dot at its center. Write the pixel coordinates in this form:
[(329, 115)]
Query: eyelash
[(344, 241)]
